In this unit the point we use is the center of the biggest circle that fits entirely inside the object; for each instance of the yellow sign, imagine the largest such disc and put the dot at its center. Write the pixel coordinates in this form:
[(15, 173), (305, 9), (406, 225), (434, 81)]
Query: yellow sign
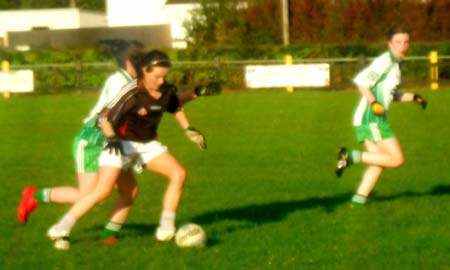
[(5, 65), (434, 70), (288, 60)]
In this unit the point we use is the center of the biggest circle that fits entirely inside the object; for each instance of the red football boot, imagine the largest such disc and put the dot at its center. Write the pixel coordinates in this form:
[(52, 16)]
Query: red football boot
[(27, 205), (109, 241)]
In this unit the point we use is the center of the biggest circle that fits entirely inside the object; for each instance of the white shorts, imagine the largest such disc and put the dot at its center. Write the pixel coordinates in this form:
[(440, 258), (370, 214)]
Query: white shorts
[(135, 153)]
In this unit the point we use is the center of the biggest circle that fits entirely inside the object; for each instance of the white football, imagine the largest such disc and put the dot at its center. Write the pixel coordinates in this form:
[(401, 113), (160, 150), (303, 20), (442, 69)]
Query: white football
[(190, 235)]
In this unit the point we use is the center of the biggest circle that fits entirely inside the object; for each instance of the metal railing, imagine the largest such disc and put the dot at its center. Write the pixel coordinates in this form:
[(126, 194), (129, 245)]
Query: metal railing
[(80, 75)]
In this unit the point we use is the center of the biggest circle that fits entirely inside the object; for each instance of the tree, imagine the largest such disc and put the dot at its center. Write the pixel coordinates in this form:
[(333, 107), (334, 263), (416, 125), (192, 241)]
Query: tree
[(308, 20), (226, 23), (367, 20)]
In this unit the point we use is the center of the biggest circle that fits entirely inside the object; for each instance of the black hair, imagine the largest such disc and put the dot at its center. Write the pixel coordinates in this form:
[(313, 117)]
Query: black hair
[(120, 49), (154, 58), (396, 29)]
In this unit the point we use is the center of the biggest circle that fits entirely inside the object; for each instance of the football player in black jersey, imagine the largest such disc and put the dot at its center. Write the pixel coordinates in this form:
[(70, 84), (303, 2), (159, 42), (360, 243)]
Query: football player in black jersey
[(130, 124)]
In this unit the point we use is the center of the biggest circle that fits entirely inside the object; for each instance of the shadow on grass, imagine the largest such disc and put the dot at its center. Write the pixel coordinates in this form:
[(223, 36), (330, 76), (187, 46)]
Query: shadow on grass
[(271, 212), (128, 230), (440, 190), (262, 213), (274, 211), (251, 215)]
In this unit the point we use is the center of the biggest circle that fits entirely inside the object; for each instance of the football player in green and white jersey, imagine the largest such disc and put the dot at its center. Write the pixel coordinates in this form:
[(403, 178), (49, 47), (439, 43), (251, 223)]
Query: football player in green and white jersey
[(87, 146), (378, 84)]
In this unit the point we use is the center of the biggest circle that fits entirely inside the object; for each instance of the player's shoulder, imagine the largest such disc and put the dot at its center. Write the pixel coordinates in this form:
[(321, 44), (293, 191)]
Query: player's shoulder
[(128, 86), (169, 87), (384, 59), (120, 77), (125, 93)]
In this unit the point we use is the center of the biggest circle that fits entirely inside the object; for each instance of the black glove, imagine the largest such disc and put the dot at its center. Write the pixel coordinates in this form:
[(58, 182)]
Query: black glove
[(169, 87), (212, 88), (114, 145), (419, 99), (196, 137)]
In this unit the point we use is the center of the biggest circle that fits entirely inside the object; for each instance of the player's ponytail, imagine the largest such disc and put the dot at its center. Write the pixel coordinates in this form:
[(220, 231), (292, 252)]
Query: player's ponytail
[(121, 50), (138, 61)]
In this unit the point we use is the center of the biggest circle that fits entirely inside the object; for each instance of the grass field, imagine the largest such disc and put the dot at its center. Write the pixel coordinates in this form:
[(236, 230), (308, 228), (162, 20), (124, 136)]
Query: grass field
[(264, 191)]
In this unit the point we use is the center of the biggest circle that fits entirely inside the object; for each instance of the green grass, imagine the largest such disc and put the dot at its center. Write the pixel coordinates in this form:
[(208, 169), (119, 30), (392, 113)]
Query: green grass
[(264, 191)]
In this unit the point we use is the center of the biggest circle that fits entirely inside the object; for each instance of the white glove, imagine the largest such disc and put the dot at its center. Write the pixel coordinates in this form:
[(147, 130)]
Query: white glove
[(196, 137)]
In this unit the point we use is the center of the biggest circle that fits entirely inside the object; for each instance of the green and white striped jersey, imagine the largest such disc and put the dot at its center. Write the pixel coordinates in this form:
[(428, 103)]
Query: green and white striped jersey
[(110, 89), (382, 76)]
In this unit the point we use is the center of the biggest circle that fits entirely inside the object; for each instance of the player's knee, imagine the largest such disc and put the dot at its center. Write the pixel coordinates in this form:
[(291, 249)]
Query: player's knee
[(398, 161), (178, 176), (127, 200), (129, 195), (102, 194), (134, 193)]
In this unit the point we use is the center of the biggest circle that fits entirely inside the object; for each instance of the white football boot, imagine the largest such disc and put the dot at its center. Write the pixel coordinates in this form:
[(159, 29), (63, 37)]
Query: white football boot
[(165, 234), (61, 238), (55, 232)]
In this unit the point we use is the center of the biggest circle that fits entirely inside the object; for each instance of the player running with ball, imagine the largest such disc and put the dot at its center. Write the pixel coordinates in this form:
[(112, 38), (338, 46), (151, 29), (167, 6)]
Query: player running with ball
[(89, 144), (378, 85), (130, 124)]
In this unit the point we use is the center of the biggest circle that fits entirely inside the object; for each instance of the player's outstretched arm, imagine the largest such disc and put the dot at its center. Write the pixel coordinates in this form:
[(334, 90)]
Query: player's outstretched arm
[(186, 96), (412, 97), (193, 134), (420, 100), (196, 137), (209, 89)]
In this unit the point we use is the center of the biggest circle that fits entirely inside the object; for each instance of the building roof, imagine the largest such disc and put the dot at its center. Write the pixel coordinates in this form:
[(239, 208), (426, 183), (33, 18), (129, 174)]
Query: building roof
[(181, 2)]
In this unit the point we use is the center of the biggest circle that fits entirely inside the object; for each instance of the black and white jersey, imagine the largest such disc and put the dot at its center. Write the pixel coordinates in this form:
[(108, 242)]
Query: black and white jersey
[(135, 115)]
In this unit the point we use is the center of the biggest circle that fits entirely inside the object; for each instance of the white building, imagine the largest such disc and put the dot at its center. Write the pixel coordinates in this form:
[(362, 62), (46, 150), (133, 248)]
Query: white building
[(151, 12), (118, 13), (59, 18)]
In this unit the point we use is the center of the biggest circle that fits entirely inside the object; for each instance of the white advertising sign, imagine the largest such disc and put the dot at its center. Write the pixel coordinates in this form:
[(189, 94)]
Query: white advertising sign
[(302, 75), (16, 81)]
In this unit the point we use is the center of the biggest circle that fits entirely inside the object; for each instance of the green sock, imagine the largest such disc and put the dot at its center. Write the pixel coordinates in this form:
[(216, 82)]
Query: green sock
[(111, 229), (358, 200), (43, 195), (355, 156)]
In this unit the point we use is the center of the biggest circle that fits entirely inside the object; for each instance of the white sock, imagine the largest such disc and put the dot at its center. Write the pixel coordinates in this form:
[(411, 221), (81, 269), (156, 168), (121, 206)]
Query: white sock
[(46, 194), (167, 220), (356, 156), (359, 199), (66, 223)]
